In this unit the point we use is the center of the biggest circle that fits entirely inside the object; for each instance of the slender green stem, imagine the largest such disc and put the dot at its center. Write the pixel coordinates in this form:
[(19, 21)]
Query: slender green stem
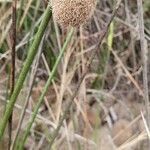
[(19, 84), (107, 53), (45, 90), (20, 11)]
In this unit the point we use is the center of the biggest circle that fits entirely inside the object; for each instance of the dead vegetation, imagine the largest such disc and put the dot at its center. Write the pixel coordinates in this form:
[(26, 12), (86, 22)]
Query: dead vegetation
[(109, 111)]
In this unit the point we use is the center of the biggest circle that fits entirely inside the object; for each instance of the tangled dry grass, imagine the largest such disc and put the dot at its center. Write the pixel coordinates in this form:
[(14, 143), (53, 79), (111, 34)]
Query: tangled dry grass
[(109, 112)]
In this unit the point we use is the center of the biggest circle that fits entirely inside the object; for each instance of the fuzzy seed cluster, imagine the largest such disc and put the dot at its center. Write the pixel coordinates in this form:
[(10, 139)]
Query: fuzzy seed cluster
[(72, 12)]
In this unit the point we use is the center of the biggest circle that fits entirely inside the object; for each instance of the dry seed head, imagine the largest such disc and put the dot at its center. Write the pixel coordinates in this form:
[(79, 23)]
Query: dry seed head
[(72, 12)]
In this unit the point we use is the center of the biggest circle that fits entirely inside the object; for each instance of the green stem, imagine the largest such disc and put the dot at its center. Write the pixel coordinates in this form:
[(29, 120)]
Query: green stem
[(45, 90), (32, 52), (20, 12)]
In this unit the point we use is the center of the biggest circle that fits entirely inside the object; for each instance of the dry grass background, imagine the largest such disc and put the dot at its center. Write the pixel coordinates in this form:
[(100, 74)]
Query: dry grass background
[(107, 112)]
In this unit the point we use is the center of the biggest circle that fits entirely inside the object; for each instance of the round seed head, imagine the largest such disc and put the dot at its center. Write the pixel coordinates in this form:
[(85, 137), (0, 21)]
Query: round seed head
[(72, 12)]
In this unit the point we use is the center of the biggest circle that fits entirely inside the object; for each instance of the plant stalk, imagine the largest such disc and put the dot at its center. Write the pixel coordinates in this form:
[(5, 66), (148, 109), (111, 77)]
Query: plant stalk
[(45, 90), (26, 67)]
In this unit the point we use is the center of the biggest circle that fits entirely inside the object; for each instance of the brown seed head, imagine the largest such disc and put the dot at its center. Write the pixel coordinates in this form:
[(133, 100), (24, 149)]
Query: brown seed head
[(72, 12)]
